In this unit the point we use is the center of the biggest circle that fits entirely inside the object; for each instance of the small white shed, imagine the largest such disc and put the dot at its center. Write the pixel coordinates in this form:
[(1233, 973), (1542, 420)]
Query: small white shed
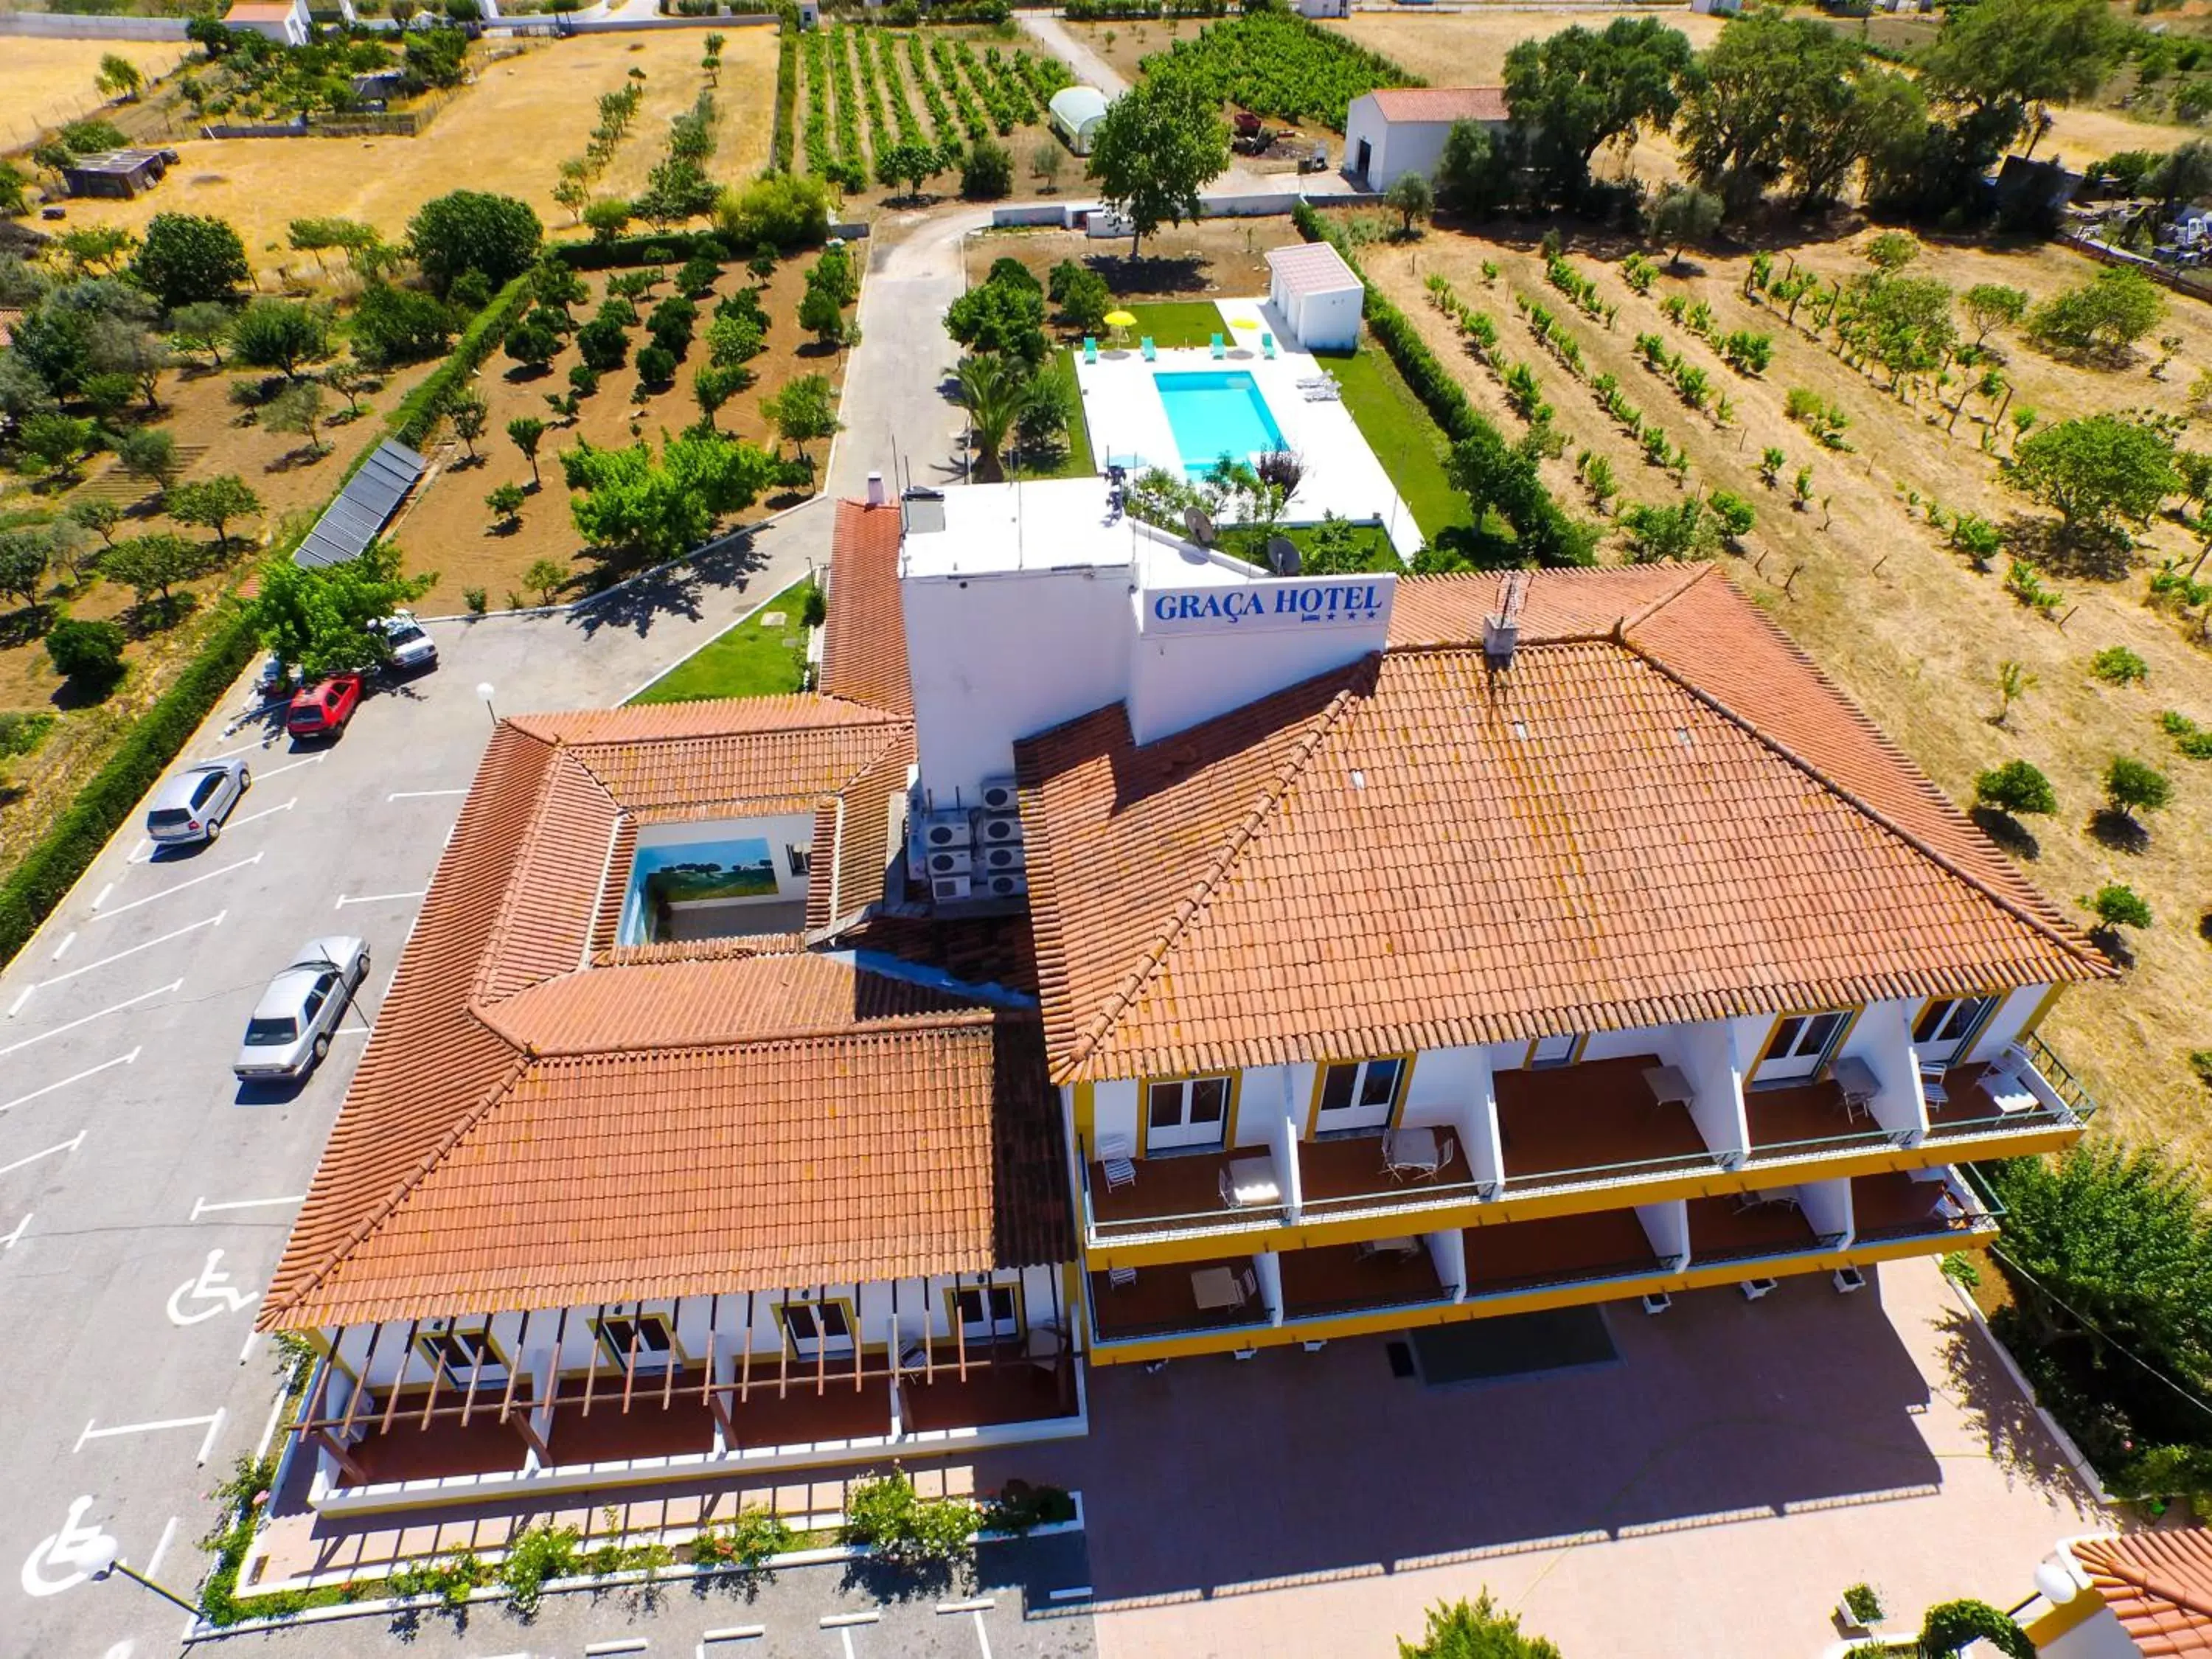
[(1317, 296), (1400, 130), (1076, 113)]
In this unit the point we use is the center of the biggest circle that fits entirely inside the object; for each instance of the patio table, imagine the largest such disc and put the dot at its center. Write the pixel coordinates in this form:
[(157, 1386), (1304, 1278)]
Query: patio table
[(1668, 1086), (1248, 1181), (1215, 1288)]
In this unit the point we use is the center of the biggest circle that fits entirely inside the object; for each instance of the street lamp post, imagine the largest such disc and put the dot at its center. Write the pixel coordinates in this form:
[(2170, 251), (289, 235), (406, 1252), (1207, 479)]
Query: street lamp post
[(103, 1558), (485, 691)]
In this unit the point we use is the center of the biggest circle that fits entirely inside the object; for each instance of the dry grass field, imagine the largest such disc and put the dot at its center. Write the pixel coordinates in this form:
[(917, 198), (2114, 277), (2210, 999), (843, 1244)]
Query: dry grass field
[(1906, 626), (506, 133), (48, 83)]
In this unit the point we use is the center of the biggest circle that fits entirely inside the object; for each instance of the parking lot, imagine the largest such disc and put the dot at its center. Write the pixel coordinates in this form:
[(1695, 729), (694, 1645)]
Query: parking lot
[(144, 1193)]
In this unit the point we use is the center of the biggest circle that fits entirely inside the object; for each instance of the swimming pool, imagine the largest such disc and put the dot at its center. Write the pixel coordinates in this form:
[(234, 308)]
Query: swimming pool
[(1213, 412)]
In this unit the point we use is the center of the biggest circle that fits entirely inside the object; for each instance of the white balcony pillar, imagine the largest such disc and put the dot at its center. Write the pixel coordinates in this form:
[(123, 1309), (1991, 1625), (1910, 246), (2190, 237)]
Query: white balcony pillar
[(1288, 1176), (1448, 1254), (1710, 1061), (1828, 1208), (1668, 1226), (1267, 1267)]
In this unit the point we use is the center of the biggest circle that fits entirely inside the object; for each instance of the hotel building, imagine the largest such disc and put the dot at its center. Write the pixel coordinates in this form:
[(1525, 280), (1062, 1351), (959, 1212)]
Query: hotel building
[(1129, 955)]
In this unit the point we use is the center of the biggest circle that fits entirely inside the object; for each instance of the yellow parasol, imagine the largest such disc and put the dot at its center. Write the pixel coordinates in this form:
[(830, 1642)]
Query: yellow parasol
[(1121, 319), (1245, 323)]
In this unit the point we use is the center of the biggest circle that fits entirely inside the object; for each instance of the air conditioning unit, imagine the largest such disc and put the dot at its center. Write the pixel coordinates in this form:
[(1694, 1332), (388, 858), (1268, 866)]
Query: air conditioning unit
[(998, 796), (949, 887), (953, 862), (1006, 886), (943, 830), (1002, 857), (998, 829)]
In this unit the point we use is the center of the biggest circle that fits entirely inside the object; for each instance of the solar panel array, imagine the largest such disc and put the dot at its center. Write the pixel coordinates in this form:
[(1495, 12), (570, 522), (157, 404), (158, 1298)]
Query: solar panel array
[(350, 523)]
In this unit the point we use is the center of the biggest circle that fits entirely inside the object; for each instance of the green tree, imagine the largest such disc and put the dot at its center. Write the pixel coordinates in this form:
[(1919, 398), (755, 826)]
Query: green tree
[(24, 555), (318, 618), (298, 408), (820, 315), (531, 343), (545, 578), (1477, 1630), (1949, 1628), (1990, 305), (1775, 92), (2108, 313), (909, 162), (1411, 198), (468, 412), (393, 325), (1001, 318), (715, 385), (188, 257), (2183, 175), (2132, 787), (1085, 300), (1046, 162), (644, 509), (1683, 215), (204, 326), (1159, 144), (2015, 789), (1470, 179), (783, 209), (2007, 58), (473, 230), (506, 501), (14, 191), (526, 432), (97, 515), (2116, 905), (987, 171), (994, 390), (805, 411), (2096, 470), (118, 77), (280, 334), (607, 220), (57, 441), (215, 504), (148, 565), (150, 453), (1580, 89), (88, 654)]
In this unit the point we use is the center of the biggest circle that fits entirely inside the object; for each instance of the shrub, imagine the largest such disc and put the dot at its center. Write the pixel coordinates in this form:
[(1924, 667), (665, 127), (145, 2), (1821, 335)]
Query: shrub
[(476, 600), (471, 230), (2117, 665), (782, 209), (1477, 1630), (1736, 515), (2113, 310), (1861, 1601), (2131, 786), (602, 344), (1022, 1508), (656, 365), (2116, 905), (987, 172), (2016, 788), (885, 1513), (2193, 740), (89, 654), (535, 1555), (757, 1536)]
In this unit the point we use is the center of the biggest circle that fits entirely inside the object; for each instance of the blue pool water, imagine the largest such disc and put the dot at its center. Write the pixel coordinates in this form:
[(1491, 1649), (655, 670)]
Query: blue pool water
[(1214, 412)]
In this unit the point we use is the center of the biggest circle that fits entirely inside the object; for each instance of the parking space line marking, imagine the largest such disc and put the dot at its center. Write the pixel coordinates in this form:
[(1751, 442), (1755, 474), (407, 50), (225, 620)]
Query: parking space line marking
[(106, 1065), (839, 1620), (625, 1645), (69, 1146), (265, 812), (102, 897), (139, 855), (981, 1604), (731, 1633), (215, 920), (983, 1636), (378, 898), (62, 949), (153, 1561), (294, 766), (1072, 1593), (846, 1638), (9, 1242), (100, 1013), (421, 794), (16, 1006), (207, 1444), (228, 869), (201, 1206), (93, 1431)]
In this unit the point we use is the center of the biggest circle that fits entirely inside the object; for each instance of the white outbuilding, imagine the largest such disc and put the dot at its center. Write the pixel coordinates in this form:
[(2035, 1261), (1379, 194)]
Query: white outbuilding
[(1317, 296), (1076, 113), (1400, 130)]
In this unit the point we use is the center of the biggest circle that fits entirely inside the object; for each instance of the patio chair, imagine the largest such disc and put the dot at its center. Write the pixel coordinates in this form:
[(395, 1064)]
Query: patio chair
[(1151, 351), (1932, 1082), (913, 1353), (1267, 347), (1089, 348), (1121, 1279), (1220, 348), (1117, 1158), (1249, 1284)]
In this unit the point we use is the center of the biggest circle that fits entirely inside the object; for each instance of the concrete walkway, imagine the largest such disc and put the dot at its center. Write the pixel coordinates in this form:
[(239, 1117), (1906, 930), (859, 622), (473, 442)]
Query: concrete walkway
[(1056, 38)]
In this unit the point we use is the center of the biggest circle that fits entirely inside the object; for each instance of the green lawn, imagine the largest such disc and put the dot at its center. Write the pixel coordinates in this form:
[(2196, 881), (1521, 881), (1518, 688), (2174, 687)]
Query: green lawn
[(1075, 462), (750, 660), (1403, 436), (1178, 322)]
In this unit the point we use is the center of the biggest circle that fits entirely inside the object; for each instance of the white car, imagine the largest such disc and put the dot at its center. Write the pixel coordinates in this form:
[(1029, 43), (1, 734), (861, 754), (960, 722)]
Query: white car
[(290, 1031), (412, 650), (190, 805)]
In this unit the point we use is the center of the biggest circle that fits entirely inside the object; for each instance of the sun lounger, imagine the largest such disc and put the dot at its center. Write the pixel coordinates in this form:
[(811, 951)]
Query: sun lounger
[(1220, 349), (1089, 348), (1267, 347), (1146, 346)]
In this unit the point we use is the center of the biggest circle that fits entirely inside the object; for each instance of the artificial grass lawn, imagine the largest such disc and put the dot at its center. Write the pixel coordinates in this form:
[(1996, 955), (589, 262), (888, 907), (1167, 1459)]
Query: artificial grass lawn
[(1402, 435), (1075, 461), (749, 660), (1178, 322)]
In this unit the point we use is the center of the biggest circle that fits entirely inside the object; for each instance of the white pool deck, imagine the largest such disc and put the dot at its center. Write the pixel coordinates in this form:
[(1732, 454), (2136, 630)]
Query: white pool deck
[(1128, 422)]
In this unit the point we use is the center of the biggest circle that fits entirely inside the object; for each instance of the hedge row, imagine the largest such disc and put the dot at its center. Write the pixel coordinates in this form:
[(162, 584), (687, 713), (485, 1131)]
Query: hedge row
[(1112, 11), (1553, 534), (787, 103), (671, 247), (418, 412), (67, 850)]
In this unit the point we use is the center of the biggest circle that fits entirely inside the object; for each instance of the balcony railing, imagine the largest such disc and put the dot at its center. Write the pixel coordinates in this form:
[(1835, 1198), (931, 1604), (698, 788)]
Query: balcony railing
[(1593, 1274), (1164, 1301), (1169, 1197), (1974, 1090), (1811, 1244), (1893, 1205), (1628, 1170)]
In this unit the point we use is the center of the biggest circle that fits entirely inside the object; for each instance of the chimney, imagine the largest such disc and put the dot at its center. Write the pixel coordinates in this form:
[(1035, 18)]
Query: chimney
[(876, 496), (924, 511), (1501, 631)]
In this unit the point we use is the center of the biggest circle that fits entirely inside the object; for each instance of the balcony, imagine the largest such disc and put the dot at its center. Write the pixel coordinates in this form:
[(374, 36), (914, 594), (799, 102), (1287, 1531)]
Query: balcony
[(1347, 1173), (1347, 1279), (2029, 1089), (1592, 1123), (1178, 1194), (1567, 1249), (1182, 1300), (1892, 1206), (1746, 1227), (1809, 1119)]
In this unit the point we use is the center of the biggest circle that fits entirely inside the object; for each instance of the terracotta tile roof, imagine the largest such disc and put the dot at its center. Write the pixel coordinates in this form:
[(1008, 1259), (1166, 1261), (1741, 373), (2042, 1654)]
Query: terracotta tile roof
[(863, 653), (1659, 812), (1442, 103), (543, 1117), (2158, 1585)]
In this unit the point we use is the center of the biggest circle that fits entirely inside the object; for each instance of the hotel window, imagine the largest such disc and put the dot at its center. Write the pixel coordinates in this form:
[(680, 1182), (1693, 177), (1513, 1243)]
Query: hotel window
[(1949, 1023), (647, 1334), (800, 859), (1560, 1050), (1186, 1112), (1359, 1094), (458, 1355), (1800, 1043), (818, 1326), (987, 1312)]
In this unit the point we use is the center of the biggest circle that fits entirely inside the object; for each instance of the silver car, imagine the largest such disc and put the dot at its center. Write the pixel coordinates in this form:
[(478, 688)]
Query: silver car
[(290, 1031), (191, 805), (413, 651)]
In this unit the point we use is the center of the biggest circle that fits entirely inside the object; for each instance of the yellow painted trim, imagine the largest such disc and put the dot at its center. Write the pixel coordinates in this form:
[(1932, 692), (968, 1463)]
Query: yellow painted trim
[(1529, 1057), (481, 1331), (952, 1307), (1996, 999), (1085, 1110), (1228, 1117), (791, 1340), (2043, 1006), (1073, 1298), (666, 1324), (1397, 1091), (2060, 1619), (1841, 1038)]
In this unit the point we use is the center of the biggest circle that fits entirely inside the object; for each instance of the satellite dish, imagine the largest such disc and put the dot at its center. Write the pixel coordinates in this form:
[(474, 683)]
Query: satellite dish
[(1200, 527), (1282, 555)]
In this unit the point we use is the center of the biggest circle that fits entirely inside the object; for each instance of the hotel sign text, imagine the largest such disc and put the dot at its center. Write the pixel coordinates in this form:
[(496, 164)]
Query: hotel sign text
[(1356, 602)]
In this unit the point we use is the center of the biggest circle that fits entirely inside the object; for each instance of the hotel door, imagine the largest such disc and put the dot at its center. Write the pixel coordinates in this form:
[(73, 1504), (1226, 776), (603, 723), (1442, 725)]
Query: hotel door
[(1186, 1112), (1358, 1095), (1800, 1043), (1947, 1025)]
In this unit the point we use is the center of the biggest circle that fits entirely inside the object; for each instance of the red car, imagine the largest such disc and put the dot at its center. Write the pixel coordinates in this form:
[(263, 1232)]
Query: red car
[(321, 710)]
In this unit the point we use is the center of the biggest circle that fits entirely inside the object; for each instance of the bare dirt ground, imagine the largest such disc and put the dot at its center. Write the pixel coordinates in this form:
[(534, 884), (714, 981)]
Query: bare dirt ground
[(1213, 259), (49, 82), (507, 134), (1907, 627), (448, 529)]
